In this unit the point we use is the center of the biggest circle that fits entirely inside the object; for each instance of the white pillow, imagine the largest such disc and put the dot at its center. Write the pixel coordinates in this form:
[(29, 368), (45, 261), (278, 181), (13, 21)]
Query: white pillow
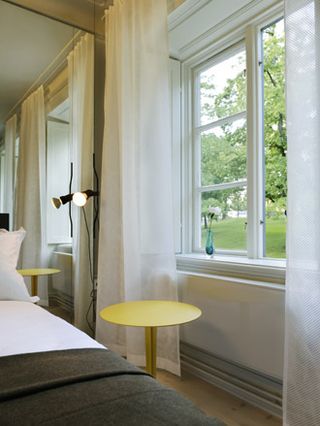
[(12, 286), (10, 243)]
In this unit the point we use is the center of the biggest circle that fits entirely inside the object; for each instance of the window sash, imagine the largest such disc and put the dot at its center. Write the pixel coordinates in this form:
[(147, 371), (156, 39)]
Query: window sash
[(198, 129), (221, 122)]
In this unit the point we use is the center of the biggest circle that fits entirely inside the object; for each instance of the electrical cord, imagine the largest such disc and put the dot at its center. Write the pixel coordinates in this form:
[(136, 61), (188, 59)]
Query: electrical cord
[(92, 293)]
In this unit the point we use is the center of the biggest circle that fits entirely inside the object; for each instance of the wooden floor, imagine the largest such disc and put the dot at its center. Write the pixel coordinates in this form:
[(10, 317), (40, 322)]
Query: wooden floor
[(218, 403), (210, 399)]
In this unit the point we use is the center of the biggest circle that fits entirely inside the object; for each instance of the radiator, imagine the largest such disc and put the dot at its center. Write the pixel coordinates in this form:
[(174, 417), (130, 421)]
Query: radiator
[(61, 288)]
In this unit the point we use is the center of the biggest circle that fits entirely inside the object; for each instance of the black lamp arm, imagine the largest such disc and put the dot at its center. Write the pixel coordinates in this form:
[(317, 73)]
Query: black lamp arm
[(89, 193)]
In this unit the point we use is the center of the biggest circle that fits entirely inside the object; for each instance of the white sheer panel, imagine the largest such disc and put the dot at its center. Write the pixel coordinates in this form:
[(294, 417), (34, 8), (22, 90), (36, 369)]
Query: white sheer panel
[(31, 185), (302, 346), (81, 86), (136, 248), (10, 142)]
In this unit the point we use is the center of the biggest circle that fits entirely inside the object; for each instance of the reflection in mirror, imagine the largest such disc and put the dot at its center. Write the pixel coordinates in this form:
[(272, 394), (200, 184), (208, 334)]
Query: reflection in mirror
[(45, 97), (33, 52)]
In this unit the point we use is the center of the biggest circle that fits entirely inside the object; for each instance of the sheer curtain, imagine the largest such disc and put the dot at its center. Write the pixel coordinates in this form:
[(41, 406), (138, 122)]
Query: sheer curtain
[(136, 254), (10, 143), (31, 184), (81, 87), (302, 345)]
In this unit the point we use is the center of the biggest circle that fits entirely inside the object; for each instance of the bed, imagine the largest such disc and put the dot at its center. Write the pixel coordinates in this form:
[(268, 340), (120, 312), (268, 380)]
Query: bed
[(52, 373)]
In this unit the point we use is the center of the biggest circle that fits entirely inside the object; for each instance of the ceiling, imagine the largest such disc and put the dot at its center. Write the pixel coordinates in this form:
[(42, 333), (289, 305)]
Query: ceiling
[(28, 44)]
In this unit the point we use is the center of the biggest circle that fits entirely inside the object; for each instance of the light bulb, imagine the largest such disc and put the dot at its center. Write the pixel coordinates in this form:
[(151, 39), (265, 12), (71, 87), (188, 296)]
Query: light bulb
[(79, 199)]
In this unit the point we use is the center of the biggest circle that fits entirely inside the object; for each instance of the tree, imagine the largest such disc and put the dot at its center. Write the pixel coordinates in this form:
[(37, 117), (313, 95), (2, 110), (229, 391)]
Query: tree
[(275, 121), (223, 150)]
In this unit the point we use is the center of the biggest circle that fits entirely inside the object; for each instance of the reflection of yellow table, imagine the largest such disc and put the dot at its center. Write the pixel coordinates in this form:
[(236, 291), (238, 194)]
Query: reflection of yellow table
[(34, 274), (150, 314)]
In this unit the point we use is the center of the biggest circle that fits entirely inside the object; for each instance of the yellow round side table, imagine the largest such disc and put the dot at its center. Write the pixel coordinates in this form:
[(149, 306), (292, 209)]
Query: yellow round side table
[(34, 274), (150, 314)]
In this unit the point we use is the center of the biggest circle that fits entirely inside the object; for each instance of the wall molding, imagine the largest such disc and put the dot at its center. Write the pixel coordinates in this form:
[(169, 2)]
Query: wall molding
[(260, 390), (233, 26), (184, 11)]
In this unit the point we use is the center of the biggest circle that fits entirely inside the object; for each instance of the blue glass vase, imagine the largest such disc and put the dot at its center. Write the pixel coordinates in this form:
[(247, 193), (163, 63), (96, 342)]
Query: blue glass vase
[(210, 249)]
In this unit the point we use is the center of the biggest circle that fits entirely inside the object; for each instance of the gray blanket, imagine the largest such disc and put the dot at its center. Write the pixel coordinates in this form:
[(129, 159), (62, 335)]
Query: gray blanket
[(87, 387)]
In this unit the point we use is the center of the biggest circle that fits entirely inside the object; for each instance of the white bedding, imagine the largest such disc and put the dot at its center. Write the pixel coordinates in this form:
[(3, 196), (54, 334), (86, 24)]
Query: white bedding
[(26, 328)]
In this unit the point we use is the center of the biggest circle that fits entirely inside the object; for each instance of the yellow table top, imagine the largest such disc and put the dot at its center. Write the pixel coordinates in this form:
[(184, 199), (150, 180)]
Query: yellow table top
[(37, 272), (150, 313)]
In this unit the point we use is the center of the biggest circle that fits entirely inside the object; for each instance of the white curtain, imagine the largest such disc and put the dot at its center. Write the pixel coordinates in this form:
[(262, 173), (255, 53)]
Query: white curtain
[(10, 143), (81, 90), (136, 254), (31, 184), (302, 343)]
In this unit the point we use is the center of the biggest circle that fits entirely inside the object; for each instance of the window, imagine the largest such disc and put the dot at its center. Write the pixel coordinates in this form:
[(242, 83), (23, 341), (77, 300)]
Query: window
[(58, 172), (16, 159), (235, 135), (2, 171), (221, 143)]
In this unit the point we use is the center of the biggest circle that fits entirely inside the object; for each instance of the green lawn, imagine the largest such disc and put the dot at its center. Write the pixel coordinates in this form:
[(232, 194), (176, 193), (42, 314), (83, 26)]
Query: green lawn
[(230, 234)]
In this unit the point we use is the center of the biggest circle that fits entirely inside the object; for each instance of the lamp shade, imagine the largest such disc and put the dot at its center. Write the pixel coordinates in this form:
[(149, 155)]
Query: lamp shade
[(63, 199), (56, 202)]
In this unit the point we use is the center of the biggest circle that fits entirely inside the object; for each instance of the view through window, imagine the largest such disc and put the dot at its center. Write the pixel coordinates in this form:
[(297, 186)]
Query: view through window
[(275, 140), (223, 144), (221, 149)]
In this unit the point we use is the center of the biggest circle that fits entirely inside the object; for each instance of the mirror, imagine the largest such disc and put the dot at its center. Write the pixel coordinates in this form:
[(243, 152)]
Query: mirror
[(33, 52)]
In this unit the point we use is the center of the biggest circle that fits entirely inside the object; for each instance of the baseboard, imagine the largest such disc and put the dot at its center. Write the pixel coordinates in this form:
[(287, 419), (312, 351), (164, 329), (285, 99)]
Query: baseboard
[(249, 385), (57, 298)]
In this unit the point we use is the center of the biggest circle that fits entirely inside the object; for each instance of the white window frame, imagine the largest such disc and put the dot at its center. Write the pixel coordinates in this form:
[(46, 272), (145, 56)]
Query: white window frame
[(249, 34), (175, 116), (2, 169)]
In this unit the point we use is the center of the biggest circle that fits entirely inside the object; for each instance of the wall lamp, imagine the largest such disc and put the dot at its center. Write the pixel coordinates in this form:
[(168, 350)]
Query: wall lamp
[(78, 198)]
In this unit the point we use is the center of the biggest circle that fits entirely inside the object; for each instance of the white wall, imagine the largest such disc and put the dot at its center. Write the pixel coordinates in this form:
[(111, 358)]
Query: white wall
[(240, 322)]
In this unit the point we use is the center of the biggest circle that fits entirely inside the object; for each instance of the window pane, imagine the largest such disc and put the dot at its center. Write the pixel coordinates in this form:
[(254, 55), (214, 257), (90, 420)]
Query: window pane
[(223, 89), (275, 140), (16, 159), (223, 153), (58, 175), (2, 155), (229, 230)]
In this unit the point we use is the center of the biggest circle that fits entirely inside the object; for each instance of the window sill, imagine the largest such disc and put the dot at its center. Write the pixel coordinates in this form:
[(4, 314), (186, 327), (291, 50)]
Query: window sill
[(266, 270)]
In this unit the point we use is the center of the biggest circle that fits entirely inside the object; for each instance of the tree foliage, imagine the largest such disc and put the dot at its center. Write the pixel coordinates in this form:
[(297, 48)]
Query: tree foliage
[(223, 149)]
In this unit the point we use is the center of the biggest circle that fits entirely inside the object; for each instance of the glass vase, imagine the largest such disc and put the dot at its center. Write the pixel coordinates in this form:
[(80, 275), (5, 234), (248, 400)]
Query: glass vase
[(210, 249)]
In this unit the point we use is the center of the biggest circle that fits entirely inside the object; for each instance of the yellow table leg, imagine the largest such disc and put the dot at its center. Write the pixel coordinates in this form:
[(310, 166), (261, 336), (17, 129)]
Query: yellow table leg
[(34, 285), (151, 350)]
